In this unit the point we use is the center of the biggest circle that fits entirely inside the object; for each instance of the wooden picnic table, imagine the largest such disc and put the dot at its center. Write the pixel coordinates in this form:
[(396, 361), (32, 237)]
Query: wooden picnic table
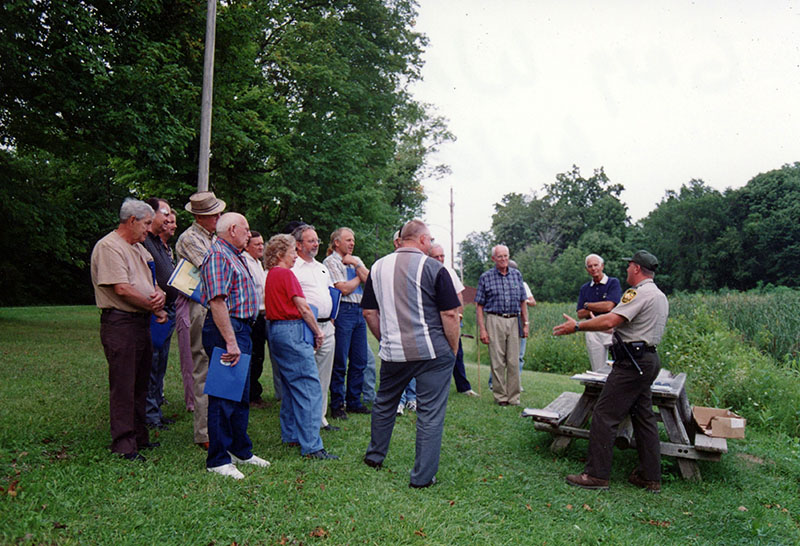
[(567, 416)]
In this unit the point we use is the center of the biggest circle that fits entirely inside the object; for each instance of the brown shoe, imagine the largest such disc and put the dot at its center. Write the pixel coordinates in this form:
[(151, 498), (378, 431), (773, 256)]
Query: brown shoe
[(587, 482), (638, 481), (203, 445)]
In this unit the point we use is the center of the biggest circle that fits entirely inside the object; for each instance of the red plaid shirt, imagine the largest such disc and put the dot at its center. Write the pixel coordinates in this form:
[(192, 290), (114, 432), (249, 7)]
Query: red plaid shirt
[(224, 273)]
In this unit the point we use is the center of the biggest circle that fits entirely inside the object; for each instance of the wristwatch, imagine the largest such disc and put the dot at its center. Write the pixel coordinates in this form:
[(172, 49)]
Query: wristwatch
[(577, 326)]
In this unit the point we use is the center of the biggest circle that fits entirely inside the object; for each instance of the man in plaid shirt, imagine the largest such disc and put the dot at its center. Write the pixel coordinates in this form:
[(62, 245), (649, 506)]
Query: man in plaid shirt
[(230, 292)]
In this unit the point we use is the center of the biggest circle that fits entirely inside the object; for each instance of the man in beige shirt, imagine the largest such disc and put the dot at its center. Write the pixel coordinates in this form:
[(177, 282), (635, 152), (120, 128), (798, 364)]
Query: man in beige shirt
[(125, 292), (193, 244)]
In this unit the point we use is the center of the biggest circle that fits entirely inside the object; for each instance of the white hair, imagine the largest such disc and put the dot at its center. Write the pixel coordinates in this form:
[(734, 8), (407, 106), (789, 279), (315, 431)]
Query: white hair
[(134, 207), (226, 221), (586, 261)]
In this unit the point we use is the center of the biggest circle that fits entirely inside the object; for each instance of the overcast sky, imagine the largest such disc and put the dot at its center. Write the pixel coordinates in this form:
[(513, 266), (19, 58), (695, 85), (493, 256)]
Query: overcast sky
[(657, 93)]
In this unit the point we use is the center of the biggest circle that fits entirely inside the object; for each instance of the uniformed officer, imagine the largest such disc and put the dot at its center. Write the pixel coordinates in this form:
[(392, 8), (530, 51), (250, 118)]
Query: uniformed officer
[(639, 321)]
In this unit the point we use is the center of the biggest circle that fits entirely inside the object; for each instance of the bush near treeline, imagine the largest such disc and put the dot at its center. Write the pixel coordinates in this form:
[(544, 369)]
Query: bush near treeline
[(739, 351)]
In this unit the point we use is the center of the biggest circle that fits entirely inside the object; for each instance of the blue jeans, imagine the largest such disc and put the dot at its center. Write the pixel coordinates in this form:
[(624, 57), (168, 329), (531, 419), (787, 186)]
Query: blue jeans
[(433, 387), (410, 394), (301, 405), (351, 344), (155, 389), (227, 420), (368, 388)]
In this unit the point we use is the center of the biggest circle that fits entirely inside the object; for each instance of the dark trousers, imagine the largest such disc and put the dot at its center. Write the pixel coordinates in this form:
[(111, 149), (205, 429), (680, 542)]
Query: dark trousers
[(433, 387), (459, 373), (129, 351), (626, 393), (259, 338), (227, 419)]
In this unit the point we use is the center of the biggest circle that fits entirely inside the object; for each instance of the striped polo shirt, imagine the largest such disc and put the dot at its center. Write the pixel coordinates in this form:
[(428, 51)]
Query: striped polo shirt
[(409, 290)]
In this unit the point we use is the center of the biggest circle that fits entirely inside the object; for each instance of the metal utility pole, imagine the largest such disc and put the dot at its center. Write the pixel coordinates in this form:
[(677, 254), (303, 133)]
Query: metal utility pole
[(452, 236), (208, 89)]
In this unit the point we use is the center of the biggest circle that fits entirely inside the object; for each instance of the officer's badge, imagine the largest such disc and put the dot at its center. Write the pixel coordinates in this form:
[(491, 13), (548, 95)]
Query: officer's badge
[(628, 296)]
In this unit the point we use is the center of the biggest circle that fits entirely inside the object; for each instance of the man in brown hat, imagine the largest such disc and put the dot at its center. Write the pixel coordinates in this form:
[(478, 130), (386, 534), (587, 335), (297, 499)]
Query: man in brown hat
[(193, 244)]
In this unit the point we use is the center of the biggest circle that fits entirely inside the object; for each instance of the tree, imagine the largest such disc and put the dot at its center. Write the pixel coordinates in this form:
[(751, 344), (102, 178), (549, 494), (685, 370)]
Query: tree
[(476, 255)]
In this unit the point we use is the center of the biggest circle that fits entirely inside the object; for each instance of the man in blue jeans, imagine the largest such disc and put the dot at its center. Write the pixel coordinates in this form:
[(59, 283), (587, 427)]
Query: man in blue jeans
[(411, 307), (230, 292), (350, 356)]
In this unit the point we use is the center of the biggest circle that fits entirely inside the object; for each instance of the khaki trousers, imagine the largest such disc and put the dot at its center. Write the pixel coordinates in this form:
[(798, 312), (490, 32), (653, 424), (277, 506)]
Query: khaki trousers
[(597, 344), (504, 355), (324, 358), (197, 316)]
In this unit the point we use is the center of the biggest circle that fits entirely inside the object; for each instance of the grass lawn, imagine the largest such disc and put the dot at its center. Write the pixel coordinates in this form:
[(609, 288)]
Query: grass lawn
[(497, 482)]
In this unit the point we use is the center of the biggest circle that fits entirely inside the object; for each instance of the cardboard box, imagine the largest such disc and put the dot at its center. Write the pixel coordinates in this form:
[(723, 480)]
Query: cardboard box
[(719, 423)]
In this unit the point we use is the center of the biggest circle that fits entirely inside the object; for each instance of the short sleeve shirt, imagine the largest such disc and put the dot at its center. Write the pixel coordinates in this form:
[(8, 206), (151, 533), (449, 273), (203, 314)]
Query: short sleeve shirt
[(343, 273), (608, 289), (224, 273), (500, 293), (646, 309), (281, 287), (409, 290), (315, 280), (259, 277), (115, 261), (194, 244)]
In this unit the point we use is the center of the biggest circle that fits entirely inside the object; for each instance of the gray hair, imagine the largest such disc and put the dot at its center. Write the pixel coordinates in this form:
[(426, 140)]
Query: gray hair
[(277, 247), (586, 260), (134, 207), (299, 231), (226, 221)]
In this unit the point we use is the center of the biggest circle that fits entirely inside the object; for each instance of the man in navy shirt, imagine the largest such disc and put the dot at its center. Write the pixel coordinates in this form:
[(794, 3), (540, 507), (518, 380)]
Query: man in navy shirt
[(598, 297)]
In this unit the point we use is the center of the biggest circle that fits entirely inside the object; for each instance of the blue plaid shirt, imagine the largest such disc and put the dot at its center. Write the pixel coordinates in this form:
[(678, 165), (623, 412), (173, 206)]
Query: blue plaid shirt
[(224, 273), (500, 293)]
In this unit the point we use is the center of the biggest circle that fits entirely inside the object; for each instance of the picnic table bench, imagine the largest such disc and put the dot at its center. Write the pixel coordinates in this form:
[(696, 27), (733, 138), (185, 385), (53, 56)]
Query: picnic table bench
[(567, 416)]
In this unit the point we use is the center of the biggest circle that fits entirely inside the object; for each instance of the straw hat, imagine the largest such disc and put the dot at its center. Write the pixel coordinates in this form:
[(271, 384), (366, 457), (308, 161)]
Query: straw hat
[(205, 203)]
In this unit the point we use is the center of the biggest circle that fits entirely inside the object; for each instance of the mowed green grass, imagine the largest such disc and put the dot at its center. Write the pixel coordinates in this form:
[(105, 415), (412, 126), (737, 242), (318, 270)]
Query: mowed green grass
[(497, 483)]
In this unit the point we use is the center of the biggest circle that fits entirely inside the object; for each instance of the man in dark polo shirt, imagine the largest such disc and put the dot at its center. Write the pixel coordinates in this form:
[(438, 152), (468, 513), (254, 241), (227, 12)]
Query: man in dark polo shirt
[(124, 290), (164, 266)]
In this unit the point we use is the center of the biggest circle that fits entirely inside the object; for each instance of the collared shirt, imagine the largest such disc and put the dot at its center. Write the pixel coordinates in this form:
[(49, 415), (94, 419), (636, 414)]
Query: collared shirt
[(259, 275), (457, 284), (315, 280), (409, 290), (343, 273), (608, 289), (645, 308), (224, 273), (194, 243), (500, 293), (116, 261), (164, 265)]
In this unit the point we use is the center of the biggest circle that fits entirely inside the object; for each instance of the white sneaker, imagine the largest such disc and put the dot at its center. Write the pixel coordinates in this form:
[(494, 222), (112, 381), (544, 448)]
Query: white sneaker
[(227, 470), (471, 393), (400, 408), (254, 460), (411, 405)]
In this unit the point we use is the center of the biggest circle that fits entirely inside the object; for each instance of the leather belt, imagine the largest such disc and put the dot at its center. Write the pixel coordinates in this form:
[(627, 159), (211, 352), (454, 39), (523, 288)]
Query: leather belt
[(504, 315)]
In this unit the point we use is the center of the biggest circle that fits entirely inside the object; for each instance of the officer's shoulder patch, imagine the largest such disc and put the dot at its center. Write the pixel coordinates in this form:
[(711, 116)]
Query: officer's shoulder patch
[(628, 296)]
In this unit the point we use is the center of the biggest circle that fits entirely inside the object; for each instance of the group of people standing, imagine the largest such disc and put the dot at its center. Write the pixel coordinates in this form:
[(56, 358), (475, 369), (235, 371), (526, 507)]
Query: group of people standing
[(314, 315)]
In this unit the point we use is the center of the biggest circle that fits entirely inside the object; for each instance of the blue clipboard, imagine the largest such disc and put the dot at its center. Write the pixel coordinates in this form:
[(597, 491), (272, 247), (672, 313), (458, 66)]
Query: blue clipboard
[(226, 381), (336, 298)]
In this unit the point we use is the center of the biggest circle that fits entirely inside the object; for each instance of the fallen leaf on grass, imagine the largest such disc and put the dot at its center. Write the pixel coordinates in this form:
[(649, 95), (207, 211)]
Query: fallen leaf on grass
[(402, 516), (283, 541), (12, 488), (419, 533), (569, 507), (742, 509), (452, 502), (59, 525), (587, 507), (657, 523), (528, 506), (319, 532)]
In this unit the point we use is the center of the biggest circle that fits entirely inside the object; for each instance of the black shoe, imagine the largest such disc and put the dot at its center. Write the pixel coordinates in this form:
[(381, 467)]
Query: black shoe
[(167, 421), (338, 413), (430, 483), (159, 426), (134, 457), (373, 464), (330, 428), (150, 445), (359, 409), (321, 454)]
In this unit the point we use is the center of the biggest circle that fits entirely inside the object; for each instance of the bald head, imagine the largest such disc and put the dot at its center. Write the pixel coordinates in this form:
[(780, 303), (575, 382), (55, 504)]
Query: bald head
[(416, 234), (233, 228), (500, 257)]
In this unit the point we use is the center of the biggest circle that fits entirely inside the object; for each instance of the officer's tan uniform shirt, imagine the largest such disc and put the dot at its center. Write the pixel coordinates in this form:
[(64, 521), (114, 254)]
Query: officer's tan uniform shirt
[(646, 309)]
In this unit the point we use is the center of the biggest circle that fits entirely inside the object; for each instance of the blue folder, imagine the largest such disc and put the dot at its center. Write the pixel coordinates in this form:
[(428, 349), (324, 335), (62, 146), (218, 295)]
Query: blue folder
[(336, 298), (226, 381), (351, 274), (308, 335)]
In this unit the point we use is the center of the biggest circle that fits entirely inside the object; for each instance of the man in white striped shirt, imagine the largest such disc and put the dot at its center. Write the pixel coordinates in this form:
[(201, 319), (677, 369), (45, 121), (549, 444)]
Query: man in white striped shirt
[(411, 307)]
